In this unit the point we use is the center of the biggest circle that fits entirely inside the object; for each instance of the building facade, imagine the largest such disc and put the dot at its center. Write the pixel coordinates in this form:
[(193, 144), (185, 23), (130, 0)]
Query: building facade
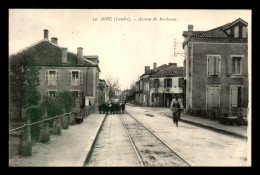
[(216, 67), (158, 86), (62, 70)]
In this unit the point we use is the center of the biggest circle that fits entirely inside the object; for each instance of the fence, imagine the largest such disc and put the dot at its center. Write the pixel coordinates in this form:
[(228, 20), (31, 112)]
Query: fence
[(42, 130)]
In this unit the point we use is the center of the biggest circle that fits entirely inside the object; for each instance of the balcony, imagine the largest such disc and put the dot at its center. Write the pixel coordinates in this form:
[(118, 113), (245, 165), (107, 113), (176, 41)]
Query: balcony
[(75, 81)]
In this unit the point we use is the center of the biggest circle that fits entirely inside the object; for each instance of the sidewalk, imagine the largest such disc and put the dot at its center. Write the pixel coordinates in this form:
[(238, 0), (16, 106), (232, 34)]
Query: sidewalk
[(68, 149), (239, 131)]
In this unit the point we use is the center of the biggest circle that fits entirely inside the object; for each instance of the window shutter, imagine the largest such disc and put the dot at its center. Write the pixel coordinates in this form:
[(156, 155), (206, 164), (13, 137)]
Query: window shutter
[(233, 96), (217, 63), (209, 96), (216, 96), (211, 65), (170, 82), (81, 77), (229, 65), (69, 77), (165, 81), (46, 77), (152, 97), (58, 76), (241, 65)]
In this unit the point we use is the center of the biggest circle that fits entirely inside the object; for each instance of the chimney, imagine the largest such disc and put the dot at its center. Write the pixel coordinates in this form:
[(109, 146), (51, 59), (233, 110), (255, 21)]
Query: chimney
[(54, 40), (64, 55), (46, 33), (173, 64), (80, 55), (147, 69), (190, 30), (154, 65)]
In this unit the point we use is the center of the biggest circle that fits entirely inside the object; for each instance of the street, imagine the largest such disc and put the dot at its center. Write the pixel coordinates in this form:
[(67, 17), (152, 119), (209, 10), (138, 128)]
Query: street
[(198, 146)]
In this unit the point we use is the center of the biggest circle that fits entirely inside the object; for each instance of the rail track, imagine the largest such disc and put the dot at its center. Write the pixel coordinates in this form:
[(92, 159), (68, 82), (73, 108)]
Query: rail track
[(148, 149), (146, 156)]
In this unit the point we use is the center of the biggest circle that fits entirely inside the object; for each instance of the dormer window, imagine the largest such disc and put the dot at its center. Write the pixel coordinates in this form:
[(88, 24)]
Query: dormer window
[(244, 32), (236, 32)]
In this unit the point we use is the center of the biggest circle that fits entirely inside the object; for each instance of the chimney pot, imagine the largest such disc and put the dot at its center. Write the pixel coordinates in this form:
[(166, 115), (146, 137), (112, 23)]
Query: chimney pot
[(54, 40), (190, 30), (147, 69), (64, 55), (80, 55), (154, 65), (46, 34)]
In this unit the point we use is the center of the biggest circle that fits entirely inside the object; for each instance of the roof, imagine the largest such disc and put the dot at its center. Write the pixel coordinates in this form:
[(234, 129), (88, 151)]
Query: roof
[(168, 70), (218, 32), (38, 42)]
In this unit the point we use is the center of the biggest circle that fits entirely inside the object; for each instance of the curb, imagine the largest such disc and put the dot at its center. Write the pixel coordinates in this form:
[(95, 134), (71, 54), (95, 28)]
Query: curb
[(206, 126), (212, 128), (93, 143)]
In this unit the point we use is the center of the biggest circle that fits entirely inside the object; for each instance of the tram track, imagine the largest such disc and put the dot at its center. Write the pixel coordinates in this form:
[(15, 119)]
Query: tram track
[(144, 151)]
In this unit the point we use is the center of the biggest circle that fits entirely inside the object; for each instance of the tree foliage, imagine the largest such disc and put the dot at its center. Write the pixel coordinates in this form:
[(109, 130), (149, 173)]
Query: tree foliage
[(113, 85), (23, 80)]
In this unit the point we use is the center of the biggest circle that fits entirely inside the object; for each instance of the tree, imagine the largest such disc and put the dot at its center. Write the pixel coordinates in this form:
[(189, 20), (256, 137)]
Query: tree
[(113, 85), (132, 92), (23, 81)]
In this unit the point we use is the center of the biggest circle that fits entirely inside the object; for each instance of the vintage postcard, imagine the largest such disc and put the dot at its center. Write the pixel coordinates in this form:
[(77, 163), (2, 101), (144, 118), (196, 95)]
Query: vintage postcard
[(130, 88)]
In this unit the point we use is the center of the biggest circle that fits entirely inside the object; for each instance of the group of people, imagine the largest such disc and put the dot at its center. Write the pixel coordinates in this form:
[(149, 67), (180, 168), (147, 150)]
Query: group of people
[(176, 107), (112, 107)]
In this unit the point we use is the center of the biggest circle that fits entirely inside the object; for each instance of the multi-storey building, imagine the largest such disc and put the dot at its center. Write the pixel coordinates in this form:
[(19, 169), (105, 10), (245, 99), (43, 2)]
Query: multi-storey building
[(158, 86), (216, 67), (62, 70)]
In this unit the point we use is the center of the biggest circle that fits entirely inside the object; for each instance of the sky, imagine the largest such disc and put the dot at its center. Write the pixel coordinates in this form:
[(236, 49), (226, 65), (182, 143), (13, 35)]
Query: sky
[(125, 44)]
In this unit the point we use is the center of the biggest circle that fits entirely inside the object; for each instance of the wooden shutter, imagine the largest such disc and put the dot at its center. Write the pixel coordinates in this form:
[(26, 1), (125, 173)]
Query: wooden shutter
[(210, 96), (58, 76), (81, 77), (152, 97), (217, 63), (211, 65), (229, 65), (216, 96), (170, 82), (69, 77), (241, 65), (46, 77), (233, 96)]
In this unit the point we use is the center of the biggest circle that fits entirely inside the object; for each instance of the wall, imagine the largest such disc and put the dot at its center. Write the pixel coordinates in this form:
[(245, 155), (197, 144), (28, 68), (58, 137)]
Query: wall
[(199, 72)]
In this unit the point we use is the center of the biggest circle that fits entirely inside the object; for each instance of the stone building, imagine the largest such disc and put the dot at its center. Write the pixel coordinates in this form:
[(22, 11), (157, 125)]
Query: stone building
[(216, 67), (62, 70), (158, 86)]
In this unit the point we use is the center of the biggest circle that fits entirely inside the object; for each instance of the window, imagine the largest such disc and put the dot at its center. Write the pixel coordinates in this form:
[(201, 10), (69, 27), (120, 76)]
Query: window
[(213, 96), (236, 94), (75, 77), (236, 65), (156, 83), (181, 80), (168, 82), (213, 65), (52, 93), (236, 32), (244, 32), (155, 97), (52, 77)]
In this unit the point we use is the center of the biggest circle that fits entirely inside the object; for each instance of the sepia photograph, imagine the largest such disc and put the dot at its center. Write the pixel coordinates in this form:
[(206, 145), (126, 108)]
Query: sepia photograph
[(129, 87)]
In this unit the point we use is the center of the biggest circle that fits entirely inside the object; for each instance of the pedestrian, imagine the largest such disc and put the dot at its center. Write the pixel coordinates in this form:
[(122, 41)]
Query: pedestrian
[(176, 107)]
